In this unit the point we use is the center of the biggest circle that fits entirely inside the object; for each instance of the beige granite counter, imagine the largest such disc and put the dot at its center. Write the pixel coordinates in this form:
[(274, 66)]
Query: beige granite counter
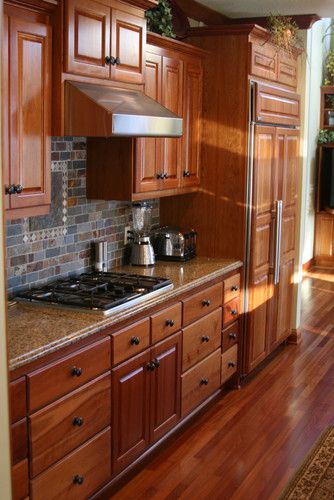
[(35, 331)]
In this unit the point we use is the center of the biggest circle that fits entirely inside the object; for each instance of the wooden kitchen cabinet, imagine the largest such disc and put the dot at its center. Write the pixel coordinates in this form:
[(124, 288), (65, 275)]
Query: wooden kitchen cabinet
[(26, 113), (105, 42)]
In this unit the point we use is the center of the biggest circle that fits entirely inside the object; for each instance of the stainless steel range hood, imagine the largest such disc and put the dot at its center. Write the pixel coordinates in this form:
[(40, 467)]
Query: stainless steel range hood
[(98, 111)]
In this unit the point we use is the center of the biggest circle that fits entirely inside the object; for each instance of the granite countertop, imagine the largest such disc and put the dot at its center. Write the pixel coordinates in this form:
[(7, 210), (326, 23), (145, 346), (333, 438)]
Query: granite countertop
[(34, 331)]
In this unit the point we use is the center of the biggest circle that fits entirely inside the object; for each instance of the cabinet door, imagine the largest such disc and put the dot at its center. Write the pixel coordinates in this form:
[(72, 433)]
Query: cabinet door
[(87, 38), (172, 99), (29, 111), (165, 386), (261, 280), (130, 407), (288, 192), (128, 45), (192, 111), (149, 150)]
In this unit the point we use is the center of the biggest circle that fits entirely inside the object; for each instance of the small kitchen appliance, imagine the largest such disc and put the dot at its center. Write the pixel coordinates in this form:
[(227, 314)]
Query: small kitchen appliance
[(101, 256), (174, 243), (98, 292), (142, 253)]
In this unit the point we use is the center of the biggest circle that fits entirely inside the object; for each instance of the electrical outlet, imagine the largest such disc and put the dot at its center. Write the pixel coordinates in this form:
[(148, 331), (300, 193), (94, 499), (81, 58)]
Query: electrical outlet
[(126, 234)]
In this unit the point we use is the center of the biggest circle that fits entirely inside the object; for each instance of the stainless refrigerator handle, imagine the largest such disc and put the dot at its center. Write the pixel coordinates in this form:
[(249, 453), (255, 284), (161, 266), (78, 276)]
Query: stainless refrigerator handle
[(278, 237)]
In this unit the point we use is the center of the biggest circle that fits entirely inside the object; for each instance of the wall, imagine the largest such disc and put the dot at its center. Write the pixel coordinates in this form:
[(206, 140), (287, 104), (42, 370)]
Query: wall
[(43, 248)]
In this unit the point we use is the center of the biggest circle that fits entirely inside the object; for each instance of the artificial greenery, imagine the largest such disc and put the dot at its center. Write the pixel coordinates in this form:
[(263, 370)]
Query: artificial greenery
[(160, 19), (283, 32), (325, 136), (329, 68)]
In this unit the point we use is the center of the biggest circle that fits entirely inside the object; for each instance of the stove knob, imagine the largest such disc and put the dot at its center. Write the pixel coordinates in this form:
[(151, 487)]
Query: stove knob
[(169, 322), (135, 341), (76, 372)]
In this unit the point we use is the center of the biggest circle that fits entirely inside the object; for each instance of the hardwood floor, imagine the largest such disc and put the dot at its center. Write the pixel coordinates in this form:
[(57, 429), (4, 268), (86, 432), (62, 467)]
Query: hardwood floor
[(249, 443)]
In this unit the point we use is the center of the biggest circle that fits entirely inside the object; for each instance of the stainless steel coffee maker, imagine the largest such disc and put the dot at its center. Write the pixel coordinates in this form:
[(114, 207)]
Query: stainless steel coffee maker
[(142, 253)]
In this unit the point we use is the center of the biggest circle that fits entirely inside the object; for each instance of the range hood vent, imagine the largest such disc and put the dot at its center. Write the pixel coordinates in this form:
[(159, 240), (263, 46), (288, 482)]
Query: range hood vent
[(99, 111)]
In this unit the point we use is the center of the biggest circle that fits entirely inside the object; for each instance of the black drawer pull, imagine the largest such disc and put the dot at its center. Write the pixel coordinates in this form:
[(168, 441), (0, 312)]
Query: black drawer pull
[(135, 341), (78, 421), (204, 381), (234, 312), (233, 336), (234, 288), (170, 322), (78, 479), (151, 366), (231, 364), (205, 338), (156, 362), (206, 303), (76, 372)]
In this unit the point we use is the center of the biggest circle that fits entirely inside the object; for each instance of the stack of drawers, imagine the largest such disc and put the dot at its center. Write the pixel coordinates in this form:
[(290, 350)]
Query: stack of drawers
[(230, 334), (69, 424), (19, 438)]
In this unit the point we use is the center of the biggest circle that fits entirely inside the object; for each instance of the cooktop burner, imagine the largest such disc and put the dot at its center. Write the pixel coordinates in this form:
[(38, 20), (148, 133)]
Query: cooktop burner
[(103, 292)]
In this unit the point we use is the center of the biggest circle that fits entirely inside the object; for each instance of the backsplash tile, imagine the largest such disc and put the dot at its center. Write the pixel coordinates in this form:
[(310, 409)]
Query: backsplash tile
[(43, 248)]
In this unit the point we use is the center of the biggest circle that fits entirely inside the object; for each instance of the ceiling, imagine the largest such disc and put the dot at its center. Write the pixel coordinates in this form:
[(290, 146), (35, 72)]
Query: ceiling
[(260, 8)]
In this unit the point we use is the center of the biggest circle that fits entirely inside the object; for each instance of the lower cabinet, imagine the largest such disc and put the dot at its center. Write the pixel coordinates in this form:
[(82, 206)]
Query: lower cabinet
[(146, 399)]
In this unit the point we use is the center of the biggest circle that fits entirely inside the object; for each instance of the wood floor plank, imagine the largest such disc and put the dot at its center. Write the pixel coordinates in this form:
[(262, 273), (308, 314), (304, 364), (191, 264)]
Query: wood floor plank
[(250, 443)]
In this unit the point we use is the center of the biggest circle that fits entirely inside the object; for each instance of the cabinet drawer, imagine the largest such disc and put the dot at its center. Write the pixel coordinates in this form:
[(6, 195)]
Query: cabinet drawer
[(264, 61), (166, 322), (231, 287), (202, 303), (201, 338), (64, 425), (65, 375), (230, 336), (130, 341), (229, 363), (18, 399), (274, 105), (287, 70), (91, 462), (201, 381), (20, 481), (19, 441), (231, 311)]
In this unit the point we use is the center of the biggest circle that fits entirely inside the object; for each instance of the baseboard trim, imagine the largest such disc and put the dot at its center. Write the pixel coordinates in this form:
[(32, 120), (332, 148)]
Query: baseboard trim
[(295, 336)]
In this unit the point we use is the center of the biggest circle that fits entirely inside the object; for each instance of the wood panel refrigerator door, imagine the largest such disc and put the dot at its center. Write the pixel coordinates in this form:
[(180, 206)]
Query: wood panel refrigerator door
[(288, 192), (192, 111), (260, 281), (172, 75), (149, 164), (30, 111), (87, 38), (128, 42), (166, 388), (130, 409), (5, 110)]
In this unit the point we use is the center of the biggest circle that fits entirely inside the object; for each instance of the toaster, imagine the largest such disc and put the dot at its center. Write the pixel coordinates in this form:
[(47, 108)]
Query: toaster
[(174, 243)]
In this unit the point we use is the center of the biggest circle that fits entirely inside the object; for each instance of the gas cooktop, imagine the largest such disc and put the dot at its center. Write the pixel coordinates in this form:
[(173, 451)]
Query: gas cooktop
[(102, 292)]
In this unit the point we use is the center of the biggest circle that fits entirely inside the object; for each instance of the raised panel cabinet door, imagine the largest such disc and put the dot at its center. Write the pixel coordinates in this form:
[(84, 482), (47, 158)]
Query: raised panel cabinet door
[(192, 112), (30, 111), (262, 239), (149, 165), (166, 386), (172, 99), (5, 104), (87, 38), (130, 409), (128, 33)]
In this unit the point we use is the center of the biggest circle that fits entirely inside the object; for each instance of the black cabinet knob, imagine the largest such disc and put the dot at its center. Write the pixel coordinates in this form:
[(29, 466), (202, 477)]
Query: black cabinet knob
[(108, 60), (151, 366), (205, 338), (186, 173), (135, 341), (156, 363), (206, 303), (170, 322), (160, 176), (78, 479), (18, 188), (115, 61), (233, 336), (231, 364), (10, 189), (234, 312), (76, 372), (78, 421), (204, 381), (234, 288), (165, 176)]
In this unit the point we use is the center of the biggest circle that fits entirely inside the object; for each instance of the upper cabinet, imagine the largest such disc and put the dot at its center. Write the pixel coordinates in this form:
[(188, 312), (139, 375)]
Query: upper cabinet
[(105, 42), (26, 113)]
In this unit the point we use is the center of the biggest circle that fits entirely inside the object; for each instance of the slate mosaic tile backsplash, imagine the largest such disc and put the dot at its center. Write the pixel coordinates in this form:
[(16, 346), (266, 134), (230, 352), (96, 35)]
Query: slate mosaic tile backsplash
[(44, 248)]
